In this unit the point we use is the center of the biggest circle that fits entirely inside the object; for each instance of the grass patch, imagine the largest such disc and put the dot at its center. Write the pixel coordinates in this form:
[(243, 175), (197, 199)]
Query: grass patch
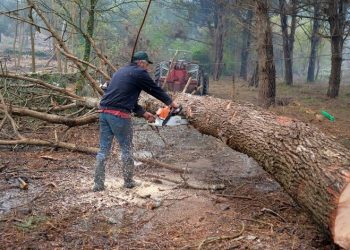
[(31, 223), (308, 100)]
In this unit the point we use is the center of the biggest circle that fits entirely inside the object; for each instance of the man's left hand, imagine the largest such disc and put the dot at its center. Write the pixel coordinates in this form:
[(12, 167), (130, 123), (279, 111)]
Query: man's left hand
[(149, 117)]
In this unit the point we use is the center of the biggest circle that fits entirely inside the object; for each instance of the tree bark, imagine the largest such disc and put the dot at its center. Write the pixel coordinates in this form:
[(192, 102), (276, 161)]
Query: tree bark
[(32, 40), (21, 41), (90, 30), (336, 19), (315, 40), (267, 72), (312, 168), (246, 40), (219, 43), (288, 39), (15, 39), (57, 53), (254, 80)]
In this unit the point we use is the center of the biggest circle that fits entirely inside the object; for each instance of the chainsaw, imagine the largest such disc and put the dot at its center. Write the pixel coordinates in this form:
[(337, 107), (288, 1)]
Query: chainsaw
[(169, 116)]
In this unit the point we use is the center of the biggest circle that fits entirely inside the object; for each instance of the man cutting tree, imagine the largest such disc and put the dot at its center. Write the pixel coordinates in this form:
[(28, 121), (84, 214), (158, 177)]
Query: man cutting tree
[(117, 104)]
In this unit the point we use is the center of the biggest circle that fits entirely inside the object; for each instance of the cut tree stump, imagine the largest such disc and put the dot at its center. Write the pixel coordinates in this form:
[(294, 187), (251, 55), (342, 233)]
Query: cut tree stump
[(311, 167)]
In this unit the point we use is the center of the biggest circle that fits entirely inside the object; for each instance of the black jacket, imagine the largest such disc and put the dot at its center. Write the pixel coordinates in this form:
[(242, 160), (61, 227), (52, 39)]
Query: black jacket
[(125, 87)]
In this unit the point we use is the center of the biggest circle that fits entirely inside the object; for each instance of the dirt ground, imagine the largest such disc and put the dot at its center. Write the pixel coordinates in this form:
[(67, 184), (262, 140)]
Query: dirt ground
[(229, 202)]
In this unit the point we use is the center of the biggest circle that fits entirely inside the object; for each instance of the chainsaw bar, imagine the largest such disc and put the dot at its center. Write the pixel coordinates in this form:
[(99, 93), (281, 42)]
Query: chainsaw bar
[(175, 120), (168, 116)]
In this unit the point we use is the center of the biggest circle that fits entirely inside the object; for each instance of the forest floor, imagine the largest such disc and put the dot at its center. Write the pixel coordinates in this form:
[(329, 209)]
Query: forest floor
[(59, 210)]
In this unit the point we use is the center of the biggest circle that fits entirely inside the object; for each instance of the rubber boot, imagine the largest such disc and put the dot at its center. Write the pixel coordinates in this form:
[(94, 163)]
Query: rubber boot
[(128, 174), (99, 176)]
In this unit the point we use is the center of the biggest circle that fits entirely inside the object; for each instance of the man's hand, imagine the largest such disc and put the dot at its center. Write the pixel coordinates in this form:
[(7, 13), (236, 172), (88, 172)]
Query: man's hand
[(149, 117), (174, 105), (176, 108)]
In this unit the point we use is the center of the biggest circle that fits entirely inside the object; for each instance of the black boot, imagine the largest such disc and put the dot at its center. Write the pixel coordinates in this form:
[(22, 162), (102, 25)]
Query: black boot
[(128, 174), (99, 176)]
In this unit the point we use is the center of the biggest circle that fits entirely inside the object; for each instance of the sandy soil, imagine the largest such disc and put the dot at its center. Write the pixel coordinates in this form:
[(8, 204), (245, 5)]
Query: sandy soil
[(59, 210)]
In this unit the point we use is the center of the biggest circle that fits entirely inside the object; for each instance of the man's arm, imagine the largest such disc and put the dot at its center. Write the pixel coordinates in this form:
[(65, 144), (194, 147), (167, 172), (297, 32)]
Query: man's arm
[(138, 110), (149, 86)]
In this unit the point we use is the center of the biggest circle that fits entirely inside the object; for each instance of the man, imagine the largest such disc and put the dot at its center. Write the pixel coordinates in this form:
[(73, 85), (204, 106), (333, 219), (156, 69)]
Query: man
[(117, 104)]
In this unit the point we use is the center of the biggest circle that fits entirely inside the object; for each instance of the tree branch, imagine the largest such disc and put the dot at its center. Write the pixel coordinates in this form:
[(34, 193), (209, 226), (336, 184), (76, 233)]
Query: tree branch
[(71, 122)]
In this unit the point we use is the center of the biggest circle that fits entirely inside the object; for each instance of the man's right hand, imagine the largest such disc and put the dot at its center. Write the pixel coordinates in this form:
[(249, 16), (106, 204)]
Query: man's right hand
[(149, 117)]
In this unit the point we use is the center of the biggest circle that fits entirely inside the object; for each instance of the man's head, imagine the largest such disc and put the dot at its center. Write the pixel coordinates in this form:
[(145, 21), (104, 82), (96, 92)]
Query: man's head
[(141, 59)]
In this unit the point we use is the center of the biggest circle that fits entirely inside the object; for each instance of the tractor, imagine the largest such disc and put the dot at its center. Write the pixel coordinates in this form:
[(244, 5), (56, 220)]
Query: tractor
[(173, 75)]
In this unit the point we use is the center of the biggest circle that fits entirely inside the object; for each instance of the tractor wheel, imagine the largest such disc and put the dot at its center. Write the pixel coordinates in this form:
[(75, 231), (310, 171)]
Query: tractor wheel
[(157, 75), (205, 86), (203, 83)]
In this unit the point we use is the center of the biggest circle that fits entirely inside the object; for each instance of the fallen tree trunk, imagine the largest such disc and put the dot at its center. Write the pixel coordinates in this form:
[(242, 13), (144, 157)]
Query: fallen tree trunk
[(50, 143), (311, 166), (87, 150)]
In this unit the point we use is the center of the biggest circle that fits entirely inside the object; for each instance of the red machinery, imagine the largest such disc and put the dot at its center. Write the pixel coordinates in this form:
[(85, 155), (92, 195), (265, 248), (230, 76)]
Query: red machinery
[(174, 76)]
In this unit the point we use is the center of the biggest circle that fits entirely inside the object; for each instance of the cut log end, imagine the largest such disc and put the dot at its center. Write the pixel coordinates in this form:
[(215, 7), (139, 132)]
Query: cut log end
[(341, 229)]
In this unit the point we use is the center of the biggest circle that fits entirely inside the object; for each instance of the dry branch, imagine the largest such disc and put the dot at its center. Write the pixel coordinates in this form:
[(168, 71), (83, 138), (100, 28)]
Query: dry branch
[(50, 143), (170, 68), (161, 165), (94, 84), (8, 116), (42, 83), (57, 108), (214, 239), (99, 53), (72, 57), (83, 149), (54, 118), (187, 84)]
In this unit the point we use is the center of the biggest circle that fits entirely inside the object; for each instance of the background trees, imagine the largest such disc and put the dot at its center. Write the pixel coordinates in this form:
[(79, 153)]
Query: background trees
[(283, 40), (308, 36)]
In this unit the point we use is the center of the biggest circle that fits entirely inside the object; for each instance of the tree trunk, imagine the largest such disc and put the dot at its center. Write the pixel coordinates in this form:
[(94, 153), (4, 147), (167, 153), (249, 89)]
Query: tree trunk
[(311, 167), (32, 40), (254, 80), (318, 67), (54, 41), (246, 40), (288, 39), (15, 39), (58, 55), (218, 48), (337, 17), (90, 29), (21, 41), (267, 72), (315, 40)]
